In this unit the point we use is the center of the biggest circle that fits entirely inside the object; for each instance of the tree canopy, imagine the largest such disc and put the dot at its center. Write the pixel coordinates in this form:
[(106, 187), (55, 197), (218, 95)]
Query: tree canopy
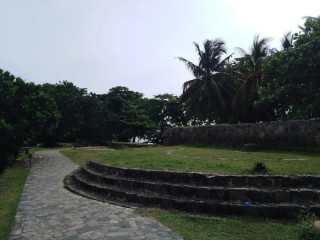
[(290, 87), (270, 84), (26, 112)]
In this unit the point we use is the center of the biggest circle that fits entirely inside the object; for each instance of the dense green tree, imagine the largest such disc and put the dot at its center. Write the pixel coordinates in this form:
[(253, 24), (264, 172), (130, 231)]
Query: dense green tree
[(209, 94), (26, 112), (70, 100), (164, 111), (291, 83), (95, 117), (127, 115)]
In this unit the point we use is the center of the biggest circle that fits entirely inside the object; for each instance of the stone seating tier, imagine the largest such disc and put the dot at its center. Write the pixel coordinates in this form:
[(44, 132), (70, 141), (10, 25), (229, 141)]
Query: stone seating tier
[(253, 195)]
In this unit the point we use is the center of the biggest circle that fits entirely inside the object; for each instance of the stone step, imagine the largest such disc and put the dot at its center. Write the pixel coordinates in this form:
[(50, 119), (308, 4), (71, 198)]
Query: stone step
[(88, 188), (225, 193), (208, 179), (82, 188)]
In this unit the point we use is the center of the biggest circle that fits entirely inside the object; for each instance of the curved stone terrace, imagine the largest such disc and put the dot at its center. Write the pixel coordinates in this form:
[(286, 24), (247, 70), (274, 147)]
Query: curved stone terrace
[(253, 195)]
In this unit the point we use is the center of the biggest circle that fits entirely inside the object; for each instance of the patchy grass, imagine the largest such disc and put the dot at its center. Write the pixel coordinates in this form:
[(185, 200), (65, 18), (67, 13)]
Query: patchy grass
[(39, 149), (192, 227), (11, 185), (215, 160), (81, 155)]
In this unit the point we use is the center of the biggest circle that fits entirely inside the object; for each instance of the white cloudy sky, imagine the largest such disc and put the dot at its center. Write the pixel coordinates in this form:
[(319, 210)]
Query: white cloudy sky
[(99, 44)]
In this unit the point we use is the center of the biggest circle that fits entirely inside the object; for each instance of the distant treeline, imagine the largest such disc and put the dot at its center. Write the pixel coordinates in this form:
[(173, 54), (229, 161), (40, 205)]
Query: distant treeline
[(62, 112)]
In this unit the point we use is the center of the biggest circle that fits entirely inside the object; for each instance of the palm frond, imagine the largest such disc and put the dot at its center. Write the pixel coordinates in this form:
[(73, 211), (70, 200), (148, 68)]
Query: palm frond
[(240, 51), (189, 83), (287, 40), (196, 70), (200, 53), (224, 61), (245, 97), (216, 94)]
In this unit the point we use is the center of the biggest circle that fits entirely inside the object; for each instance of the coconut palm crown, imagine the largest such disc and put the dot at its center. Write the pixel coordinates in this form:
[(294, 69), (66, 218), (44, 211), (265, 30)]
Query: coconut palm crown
[(211, 91)]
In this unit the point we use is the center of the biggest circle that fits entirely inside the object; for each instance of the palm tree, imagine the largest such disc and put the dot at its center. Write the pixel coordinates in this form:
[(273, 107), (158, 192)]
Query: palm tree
[(211, 91), (250, 67)]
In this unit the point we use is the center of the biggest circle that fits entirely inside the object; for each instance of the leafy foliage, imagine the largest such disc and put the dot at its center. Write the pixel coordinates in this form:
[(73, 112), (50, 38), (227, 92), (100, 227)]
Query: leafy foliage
[(164, 111), (70, 102), (290, 87), (270, 84), (119, 115), (306, 228), (25, 112), (127, 116)]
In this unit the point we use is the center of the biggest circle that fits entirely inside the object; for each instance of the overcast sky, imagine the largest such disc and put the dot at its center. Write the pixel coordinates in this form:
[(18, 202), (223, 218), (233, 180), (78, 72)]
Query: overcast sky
[(100, 44)]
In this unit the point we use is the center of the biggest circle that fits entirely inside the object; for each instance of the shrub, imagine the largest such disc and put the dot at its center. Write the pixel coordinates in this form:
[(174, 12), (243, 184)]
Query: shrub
[(306, 228), (260, 168)]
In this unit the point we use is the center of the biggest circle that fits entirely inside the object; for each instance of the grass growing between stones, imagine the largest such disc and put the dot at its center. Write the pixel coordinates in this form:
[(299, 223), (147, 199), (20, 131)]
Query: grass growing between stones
[(11, 185), (191, 158), (192, 227)]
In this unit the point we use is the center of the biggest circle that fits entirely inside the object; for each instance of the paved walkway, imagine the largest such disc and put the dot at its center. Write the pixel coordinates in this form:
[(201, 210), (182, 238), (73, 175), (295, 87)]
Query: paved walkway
[(48, 211)]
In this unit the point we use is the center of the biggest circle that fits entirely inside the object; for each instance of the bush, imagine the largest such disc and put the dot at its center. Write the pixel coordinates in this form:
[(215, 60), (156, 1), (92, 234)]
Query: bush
[(259, 168), (306, 228), (6, 161)]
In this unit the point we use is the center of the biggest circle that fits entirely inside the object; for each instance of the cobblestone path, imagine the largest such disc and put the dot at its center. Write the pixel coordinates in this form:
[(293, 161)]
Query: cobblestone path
[(48, 211)]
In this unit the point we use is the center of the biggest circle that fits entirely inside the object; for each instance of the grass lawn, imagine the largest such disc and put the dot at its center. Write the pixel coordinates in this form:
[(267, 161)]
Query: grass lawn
[(11, 185), (38, 149), (81, 155), (192, 227), (216, 160), (191, 158)]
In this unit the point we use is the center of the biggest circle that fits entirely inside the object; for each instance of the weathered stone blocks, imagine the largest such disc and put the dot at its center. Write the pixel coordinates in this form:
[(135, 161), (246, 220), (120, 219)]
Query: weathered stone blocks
[(296, 133), (255, 195)]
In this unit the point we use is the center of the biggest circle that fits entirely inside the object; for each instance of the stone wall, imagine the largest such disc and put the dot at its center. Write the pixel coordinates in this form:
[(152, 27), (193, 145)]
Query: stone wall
[(118, 145), (297, 133)]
